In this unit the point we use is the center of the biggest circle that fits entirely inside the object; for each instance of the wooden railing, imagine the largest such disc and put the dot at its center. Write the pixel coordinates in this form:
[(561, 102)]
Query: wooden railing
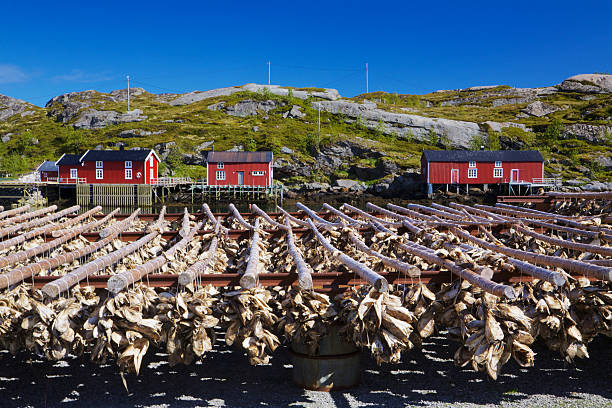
[(171, 181), (555, 181)]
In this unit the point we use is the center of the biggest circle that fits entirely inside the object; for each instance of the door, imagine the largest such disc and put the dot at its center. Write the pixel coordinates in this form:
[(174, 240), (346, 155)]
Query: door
[(514, 176), (240, 178), (455, 176)]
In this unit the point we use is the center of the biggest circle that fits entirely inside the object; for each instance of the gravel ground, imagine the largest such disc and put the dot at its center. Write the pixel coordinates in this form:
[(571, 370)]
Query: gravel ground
[(224, 378)]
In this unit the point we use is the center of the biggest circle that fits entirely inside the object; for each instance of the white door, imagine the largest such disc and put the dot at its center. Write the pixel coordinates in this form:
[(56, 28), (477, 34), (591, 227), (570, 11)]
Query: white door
[(454, 176), (240, 178), (514, 175)]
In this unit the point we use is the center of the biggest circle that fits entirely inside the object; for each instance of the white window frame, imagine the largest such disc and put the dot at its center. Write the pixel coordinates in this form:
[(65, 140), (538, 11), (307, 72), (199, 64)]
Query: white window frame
[(498, 172), (472, 164), (220, 165), (220, 175), (258, 173), (74, 173), (128, 174), (99, 164), (472, 173), (99, 174), (128, 164), (498, 164), (151, 161)]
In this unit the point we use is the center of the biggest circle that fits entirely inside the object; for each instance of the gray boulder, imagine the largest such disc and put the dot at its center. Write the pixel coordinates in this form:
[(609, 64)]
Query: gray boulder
[(539, 109), (196, 96), (588, 83), (6, 138), (595, 186), (404, 185), (286, 150), (346, 183), (238, 148), (95, 119), (294, 112)]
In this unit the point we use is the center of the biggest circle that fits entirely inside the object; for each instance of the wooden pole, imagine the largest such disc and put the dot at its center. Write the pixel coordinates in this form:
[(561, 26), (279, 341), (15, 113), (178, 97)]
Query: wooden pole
[(374, 279), (249, 278), (303, 269)]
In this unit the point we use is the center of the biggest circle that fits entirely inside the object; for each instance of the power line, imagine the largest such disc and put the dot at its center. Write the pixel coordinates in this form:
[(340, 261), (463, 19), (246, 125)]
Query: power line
[(319, 68)]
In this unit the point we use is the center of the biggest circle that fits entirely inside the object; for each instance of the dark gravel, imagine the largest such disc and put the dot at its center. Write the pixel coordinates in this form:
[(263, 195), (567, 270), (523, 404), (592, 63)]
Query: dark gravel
[(224, 378)]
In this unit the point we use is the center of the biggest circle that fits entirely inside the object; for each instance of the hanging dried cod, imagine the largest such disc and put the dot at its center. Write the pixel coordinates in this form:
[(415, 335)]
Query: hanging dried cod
[(249, 321), (492, 332), (306, 317), (188, 321), (377, 321), (123, 327)]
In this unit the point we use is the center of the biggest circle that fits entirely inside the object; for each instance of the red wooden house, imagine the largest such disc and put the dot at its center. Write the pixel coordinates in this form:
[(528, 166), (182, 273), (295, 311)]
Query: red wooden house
[(482, 167), (239, 168), (119, 166), (68, 168), (47, 171)]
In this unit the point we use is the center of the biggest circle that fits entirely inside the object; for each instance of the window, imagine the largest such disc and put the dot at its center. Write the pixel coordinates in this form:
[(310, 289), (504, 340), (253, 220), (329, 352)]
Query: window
[(220, 165), (472, 164), (472, 173), (128, 164), (74, 173), (99, 174), (498, 172), (220, 175), (128, 174), (151, 161), (98, 165), (258, 173), (498, 164)]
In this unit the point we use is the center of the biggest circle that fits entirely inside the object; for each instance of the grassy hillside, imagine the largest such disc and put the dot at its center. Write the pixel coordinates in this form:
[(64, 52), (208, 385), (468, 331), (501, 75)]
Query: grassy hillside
[(40, 135)]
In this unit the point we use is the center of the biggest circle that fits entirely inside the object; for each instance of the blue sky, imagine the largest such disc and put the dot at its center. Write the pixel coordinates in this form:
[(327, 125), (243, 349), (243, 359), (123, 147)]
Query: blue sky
[(49, 48)]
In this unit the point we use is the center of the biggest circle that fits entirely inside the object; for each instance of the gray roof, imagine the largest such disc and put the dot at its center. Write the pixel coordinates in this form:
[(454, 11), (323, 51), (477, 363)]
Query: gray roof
[(116, 155), (239, 157), (482, 155), (68, 160), (47, 165)]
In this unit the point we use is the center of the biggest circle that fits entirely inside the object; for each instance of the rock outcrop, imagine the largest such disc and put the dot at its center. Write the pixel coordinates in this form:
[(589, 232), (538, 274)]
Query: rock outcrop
[(460, 134), (12, 106), (588, 83), (247, 107), (95, 119), (590, 133), (196, 96), (301, 93)]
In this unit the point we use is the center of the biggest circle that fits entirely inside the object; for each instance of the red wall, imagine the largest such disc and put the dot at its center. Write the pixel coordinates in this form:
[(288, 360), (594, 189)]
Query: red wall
[(440, 172), (46, 175), (113, 173), (64, 173), (231, 174), (148, 166)]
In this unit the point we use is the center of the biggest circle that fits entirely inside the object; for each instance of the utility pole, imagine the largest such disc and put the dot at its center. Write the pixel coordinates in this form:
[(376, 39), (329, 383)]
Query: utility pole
[(367, 85), (268, 72), (319, 132), (128, 92)]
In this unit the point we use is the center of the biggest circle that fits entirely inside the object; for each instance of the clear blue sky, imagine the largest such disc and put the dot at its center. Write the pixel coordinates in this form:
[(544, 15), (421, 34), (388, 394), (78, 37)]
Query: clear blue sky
[(48, 48)]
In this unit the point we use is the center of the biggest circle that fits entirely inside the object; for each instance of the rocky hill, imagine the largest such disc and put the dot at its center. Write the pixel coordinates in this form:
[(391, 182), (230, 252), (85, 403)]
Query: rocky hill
[(373, 139)]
